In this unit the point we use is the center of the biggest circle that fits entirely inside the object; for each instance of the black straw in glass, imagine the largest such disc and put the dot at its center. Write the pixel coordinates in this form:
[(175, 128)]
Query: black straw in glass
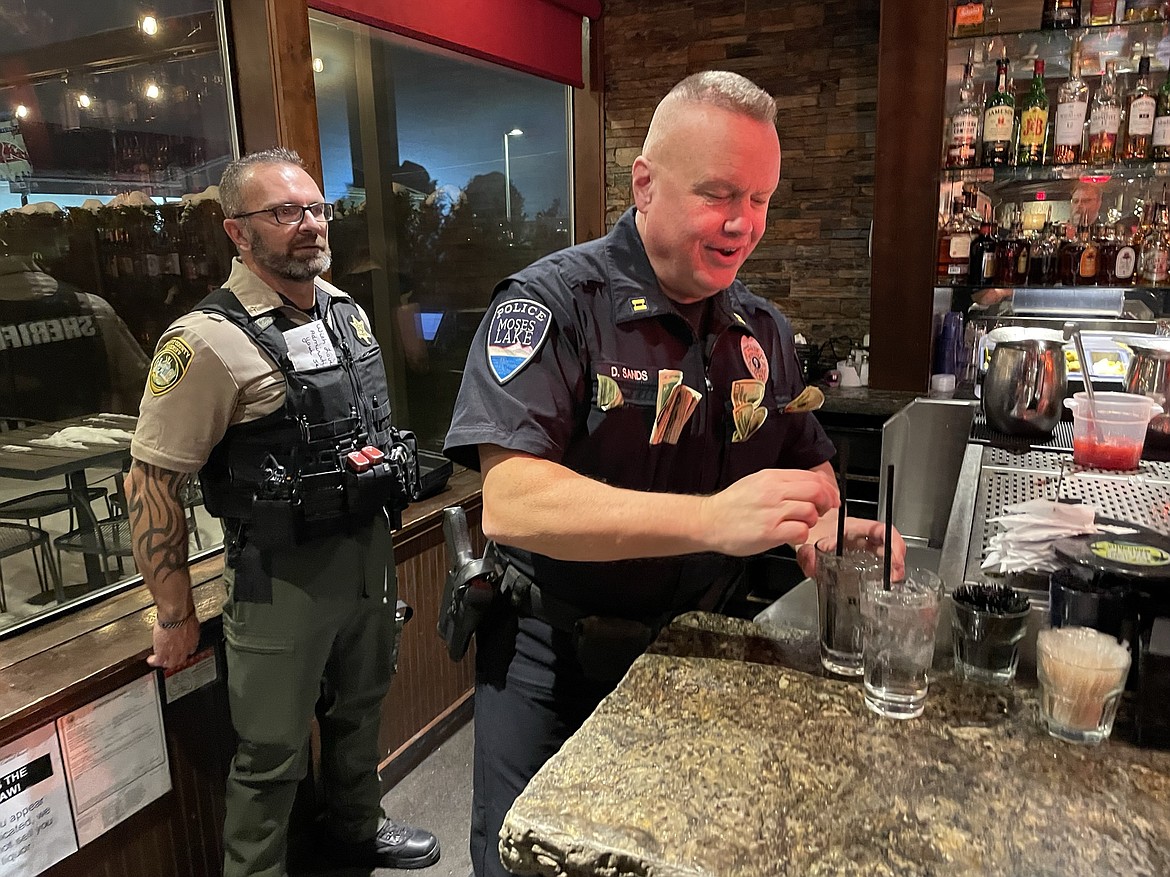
[(889, 526), (842, 471)]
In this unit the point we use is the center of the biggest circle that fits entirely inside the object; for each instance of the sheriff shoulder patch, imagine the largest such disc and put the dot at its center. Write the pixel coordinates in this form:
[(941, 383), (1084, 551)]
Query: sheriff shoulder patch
[(517, 330), (169, 366)]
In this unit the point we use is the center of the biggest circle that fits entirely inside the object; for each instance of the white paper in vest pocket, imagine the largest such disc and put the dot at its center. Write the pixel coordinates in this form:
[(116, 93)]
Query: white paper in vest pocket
[(309, 347)]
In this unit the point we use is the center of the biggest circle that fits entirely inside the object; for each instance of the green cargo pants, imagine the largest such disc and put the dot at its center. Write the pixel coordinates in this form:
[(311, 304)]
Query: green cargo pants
[(331, 618)]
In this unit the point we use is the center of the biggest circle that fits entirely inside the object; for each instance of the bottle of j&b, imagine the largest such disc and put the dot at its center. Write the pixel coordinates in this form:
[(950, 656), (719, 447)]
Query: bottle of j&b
[(1033, 120), (963, 138), (999, 116), (1072, 104)]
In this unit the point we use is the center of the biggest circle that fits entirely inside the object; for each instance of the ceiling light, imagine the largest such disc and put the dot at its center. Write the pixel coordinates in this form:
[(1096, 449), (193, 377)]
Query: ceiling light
[(84, 101), (21, 111), (152, 91), (148, 25), (318, 65)]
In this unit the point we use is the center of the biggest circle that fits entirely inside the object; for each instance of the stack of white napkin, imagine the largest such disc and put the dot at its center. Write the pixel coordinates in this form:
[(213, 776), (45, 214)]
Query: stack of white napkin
[(1027, 532)]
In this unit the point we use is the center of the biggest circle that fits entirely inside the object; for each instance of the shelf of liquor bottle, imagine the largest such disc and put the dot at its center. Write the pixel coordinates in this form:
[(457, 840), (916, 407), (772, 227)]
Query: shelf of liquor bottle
[(170, 182), (1123, 43), (1127, 170)]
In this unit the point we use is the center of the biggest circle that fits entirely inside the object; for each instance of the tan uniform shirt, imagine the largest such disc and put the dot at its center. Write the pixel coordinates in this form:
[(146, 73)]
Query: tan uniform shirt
[(207, 375)]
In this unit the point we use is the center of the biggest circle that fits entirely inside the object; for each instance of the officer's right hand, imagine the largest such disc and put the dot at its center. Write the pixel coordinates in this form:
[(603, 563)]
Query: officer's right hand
[(174, 646), (765, 509)]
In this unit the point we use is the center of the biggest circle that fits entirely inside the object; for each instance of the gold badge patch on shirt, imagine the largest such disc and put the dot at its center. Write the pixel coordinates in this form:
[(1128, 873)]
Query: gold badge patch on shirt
[(638, 304), (359, 329), (169, 366)]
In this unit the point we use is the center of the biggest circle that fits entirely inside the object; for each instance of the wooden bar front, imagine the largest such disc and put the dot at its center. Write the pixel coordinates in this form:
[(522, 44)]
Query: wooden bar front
[(54, 669)]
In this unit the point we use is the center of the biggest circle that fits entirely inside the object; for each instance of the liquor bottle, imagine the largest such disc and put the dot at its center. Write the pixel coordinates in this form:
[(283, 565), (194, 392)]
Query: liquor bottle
[(1144, 10), (1042, 268), (962, 144), (1061, 14), (1117, 258), (1087, 260), (1160, 150), (1033, 120), (999, 116), (1154, 256), (1101, 12), (1011, 256), (982, 263), (1141, 106), (954, 247), (1072, 103), (1105, 118), (970, 18)]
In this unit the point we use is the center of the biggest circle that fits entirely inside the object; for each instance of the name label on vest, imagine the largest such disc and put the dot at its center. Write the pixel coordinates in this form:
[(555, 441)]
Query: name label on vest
[(34, 332)]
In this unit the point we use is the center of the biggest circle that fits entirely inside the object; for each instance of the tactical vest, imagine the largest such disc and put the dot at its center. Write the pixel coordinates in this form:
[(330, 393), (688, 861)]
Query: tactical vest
[(293, 475), (52, 357)]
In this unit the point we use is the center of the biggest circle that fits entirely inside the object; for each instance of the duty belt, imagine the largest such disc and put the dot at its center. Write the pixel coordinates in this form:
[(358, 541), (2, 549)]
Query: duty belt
[(606, 645)]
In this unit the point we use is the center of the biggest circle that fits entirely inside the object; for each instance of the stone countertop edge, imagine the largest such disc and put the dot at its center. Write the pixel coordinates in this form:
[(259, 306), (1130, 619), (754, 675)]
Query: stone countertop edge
[(687, 770), (864, 400)]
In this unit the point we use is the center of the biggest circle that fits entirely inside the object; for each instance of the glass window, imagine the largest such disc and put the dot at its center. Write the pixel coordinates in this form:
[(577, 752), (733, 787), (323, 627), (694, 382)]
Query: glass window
[(113, 124), (448, 174)]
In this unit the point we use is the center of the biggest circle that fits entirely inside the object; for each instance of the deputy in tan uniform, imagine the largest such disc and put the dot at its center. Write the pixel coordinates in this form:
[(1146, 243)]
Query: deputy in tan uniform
[(218, 402)]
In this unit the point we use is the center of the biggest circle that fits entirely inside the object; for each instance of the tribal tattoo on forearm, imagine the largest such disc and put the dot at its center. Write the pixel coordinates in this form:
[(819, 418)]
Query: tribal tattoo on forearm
[(157, 520)]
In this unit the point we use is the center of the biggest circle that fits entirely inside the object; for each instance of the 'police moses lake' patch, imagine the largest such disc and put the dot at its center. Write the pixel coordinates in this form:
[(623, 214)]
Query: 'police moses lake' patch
[(169, 366), (515, 334)]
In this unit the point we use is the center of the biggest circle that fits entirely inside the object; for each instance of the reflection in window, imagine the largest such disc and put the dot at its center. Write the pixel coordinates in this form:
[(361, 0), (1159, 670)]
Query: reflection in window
[(448, 174), (113, 131)]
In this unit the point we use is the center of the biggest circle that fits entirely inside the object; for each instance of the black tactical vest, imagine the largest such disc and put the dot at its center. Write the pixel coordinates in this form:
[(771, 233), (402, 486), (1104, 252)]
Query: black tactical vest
[(289, 475), (52, 357)]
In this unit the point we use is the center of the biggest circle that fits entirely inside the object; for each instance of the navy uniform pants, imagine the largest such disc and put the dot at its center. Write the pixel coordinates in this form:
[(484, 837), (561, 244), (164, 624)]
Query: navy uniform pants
[(530, 696), (331, 620)]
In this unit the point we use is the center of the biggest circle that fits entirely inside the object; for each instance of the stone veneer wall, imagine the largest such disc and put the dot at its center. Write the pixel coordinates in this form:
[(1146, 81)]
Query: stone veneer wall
[(819, 59)]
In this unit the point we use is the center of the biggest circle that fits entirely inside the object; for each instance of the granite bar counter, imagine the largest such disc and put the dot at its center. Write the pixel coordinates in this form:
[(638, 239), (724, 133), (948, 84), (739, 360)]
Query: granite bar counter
[(725, 751)]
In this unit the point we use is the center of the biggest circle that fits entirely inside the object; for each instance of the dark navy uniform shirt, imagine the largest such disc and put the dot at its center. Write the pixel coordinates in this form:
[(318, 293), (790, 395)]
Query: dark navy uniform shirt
[(553, 335)]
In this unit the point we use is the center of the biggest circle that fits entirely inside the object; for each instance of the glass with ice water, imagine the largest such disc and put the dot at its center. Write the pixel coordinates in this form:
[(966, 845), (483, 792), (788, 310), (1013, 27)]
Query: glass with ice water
[(898, 627), (838, 582)]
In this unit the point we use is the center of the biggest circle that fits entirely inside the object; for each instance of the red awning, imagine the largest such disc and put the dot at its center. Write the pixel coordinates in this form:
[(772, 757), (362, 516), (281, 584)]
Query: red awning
[(542, 37)]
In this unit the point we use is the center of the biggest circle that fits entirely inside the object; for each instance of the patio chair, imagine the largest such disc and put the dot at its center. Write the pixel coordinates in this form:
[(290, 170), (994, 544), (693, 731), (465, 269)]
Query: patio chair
[(15, 538)]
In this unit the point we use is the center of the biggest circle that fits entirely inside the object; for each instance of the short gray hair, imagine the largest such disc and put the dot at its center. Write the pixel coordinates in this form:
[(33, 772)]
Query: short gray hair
[(727, 90), (231, 184)]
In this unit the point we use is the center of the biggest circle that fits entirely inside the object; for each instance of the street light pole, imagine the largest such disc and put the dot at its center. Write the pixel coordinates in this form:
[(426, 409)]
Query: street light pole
[(515, 132)]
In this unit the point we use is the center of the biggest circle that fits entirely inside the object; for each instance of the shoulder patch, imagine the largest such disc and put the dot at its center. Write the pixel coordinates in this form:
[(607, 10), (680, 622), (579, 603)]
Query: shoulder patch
[(515, 334), (169, 366)]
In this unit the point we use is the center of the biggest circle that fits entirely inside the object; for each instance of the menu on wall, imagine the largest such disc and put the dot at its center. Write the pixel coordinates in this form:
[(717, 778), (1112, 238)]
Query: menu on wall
[(36, 827), (115, 756)]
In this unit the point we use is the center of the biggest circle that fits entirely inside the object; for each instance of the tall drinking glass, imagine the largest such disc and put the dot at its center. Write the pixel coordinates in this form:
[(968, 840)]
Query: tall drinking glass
[(898, 624), (839, 605)]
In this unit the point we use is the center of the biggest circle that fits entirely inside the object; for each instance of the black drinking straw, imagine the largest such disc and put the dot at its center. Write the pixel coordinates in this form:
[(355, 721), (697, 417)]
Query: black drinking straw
[(842, 469), (889, 526)]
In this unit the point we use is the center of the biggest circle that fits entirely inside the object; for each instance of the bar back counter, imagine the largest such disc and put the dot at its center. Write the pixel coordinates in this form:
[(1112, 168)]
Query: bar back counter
[(59, 668)]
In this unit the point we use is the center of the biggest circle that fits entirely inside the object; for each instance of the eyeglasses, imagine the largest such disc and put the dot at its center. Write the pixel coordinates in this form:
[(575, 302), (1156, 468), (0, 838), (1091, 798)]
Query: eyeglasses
[(294, 214)]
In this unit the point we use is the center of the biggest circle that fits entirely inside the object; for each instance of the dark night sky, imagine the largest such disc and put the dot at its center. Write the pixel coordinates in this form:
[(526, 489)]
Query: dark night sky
[(452, 113)]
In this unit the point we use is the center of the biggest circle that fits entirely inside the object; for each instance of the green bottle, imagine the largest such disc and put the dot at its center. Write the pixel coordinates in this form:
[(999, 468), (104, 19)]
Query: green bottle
[(1033, 120), (999, 116), (1161, 150)]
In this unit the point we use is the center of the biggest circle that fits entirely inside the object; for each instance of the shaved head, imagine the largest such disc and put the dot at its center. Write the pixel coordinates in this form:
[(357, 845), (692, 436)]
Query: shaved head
[(712, 88)]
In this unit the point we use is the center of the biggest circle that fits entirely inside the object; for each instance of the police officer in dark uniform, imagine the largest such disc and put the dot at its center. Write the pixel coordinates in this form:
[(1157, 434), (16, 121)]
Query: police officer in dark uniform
[(625, 400), (274, 390)]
